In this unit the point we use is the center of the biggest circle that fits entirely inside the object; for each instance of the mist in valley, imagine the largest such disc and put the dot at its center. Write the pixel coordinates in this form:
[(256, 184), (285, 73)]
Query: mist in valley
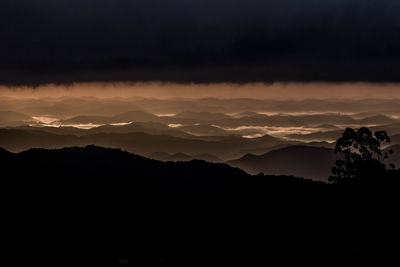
[(231, 129)]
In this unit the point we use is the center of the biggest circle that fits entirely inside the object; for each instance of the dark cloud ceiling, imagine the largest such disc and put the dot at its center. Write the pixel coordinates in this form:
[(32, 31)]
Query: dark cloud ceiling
[(199, 40)]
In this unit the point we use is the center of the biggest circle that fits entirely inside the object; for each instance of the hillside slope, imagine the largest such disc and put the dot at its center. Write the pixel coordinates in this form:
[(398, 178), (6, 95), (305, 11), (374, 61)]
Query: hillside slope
[(98, 165), (304, 161)]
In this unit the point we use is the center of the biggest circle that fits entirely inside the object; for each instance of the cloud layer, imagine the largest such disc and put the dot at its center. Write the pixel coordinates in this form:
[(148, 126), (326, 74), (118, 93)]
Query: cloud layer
[(199, 40)]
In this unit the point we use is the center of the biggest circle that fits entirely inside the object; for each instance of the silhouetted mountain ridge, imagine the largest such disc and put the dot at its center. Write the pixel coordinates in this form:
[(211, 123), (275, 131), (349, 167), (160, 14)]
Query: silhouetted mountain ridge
[(202, 116), (143, 143), (128, 116), (163, 156), (98, 165), (7, 116)]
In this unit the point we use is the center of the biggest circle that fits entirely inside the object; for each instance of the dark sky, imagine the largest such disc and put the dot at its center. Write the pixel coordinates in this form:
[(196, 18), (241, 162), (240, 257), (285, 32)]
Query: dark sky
[(199, 40)]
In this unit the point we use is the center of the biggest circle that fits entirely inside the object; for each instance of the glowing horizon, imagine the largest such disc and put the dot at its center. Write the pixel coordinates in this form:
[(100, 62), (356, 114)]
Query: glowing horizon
[(273, 91)]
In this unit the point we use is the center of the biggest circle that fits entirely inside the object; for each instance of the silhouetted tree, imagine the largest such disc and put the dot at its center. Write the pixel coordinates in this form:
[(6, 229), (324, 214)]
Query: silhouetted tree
[(362, 156)]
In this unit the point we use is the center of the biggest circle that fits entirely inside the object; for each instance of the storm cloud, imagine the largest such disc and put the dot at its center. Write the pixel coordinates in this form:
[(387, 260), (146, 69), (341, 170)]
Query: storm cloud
[(64, 41)]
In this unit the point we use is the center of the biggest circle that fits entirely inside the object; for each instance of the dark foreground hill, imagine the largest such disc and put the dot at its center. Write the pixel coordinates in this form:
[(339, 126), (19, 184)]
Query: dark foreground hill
[(94, 206), (97, 165)]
